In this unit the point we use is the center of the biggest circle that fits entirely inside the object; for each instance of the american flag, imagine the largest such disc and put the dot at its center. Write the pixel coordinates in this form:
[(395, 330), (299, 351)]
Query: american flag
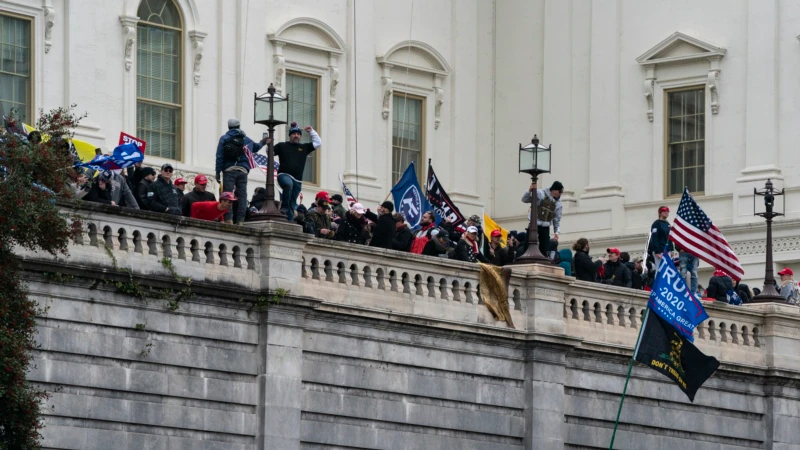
[(349, 198), (260, 161), (695, 233)]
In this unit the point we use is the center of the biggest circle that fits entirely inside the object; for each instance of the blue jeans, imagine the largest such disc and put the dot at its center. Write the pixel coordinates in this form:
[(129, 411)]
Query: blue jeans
[(290, 190), (236, 181), (689, 262)]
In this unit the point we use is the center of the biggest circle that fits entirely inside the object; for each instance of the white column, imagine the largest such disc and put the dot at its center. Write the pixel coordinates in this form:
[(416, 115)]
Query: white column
[(461, 103), (761, 123), (604, 145), (557, 94)]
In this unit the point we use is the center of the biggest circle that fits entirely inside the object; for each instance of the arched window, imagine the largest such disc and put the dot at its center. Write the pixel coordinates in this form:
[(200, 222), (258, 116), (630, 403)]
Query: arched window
[(159, 93)]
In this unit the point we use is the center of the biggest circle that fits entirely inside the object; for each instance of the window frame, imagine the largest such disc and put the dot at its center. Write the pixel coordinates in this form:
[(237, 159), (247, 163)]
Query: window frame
[(318, 127), (666, 143), (422, 169), (180, 153), (31, 107)]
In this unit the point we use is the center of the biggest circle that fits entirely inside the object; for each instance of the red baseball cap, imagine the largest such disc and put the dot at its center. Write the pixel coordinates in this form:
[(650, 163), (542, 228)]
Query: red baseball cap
[(180, 181), (200, 179), (228, 196), (663, 208), (496, 233), (323, 195), (614, 250), (786, 271)]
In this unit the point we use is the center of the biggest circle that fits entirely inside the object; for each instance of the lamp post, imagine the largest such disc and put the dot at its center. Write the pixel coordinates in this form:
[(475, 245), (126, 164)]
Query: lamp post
[(769, 293), (534, 159), (270, 109)]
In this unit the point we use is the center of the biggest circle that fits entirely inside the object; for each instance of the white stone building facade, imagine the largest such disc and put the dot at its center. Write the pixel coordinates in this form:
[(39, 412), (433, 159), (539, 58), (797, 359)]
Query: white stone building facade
[(638, 98)]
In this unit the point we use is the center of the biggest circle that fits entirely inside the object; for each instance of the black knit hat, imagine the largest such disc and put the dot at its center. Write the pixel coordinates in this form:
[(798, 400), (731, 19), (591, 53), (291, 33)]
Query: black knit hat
[(388, 205), (148, 171), (557, 186)]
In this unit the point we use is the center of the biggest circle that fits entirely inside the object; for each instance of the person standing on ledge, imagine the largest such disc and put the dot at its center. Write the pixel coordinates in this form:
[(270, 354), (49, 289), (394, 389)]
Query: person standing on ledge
[(234, 165), (548, 204), (293, 157), (659, 235)]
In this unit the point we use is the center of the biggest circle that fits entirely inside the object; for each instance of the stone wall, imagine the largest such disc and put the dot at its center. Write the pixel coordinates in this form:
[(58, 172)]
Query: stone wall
[(308, 344)]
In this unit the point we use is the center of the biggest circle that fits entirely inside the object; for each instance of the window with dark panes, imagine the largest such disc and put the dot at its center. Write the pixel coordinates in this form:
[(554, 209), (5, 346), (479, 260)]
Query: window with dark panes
[(686, 133), (303, 93), (407, 134)]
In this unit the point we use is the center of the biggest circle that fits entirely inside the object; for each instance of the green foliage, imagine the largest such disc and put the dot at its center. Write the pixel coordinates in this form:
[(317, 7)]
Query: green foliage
[(140, 326), (31, 176), (57, 277), (262, 302), (146, 350)]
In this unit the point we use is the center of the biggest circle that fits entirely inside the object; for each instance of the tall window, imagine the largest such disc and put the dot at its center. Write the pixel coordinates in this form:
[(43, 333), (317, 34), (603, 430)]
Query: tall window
[(686, 134), (158, 78), (407, 120), (303, 93), (15, 67)]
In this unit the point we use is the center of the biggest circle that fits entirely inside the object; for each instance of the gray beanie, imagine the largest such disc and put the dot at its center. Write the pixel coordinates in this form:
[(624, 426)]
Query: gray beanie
[(233, 123)]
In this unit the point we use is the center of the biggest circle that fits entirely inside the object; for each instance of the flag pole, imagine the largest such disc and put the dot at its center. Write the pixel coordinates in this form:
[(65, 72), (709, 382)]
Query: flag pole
[(628, 377)]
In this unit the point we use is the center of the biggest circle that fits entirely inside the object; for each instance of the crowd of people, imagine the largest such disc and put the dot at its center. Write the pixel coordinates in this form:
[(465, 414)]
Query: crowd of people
[(329, 217)]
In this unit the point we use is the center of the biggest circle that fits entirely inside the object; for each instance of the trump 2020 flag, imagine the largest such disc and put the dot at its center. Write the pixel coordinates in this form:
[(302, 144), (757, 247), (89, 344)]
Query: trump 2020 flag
[(672, 300), (124, 155), (665, 350), (440, 201), (409, 199)]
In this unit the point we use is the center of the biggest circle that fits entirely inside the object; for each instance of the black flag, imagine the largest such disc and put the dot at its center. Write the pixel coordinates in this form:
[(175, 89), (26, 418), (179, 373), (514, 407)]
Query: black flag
[(664, 350), (438, 198)]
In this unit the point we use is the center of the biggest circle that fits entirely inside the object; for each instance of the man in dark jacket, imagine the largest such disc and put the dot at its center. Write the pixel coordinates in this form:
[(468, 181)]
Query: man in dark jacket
[(615, 272), (165, 198), (719, 285), (438, 244), (142, 191), (317, 221), (583, 268), (403, 235), (353, 227), (385, 225), (121, 194), (659, 235), (293, 156), (232, 165), (101, 190), (198, 194), (495, 252), (467, 247)]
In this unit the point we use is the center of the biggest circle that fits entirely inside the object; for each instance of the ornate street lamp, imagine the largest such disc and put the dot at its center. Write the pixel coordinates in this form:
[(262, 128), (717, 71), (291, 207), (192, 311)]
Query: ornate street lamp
[(534, 159), (270, 109), (769, 293)]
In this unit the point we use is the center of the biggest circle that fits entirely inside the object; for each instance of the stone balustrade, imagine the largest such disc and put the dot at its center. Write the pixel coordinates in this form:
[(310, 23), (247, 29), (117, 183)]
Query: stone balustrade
[(279, 256)]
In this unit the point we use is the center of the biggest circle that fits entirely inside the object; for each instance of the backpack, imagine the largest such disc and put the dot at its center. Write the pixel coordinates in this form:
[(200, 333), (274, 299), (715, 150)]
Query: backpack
[(233, 148)]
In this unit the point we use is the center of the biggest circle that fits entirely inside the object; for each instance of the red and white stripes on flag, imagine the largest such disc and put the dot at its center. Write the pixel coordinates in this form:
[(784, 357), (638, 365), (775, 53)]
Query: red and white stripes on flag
[(250, 158), (694, 232)]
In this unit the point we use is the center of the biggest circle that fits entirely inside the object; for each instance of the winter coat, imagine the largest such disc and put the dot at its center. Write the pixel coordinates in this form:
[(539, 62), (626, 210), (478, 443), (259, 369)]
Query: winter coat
[(500, 256), (352, 229), (402, 239), (566, 261), (421, 237), (165, 196), (193, 197), (465, 251), (222, 164), (616, 274), (637, 281), (143, 193), (122, 195), (339, 211), (316, 221), (134, 176), (718, 288), (385, 229), (789, 291), (549, 208), (97, 195), (583, 268)]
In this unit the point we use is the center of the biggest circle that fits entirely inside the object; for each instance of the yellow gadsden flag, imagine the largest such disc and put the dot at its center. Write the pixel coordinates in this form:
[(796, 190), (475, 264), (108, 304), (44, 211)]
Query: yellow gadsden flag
[(490, 225), (84, 149)]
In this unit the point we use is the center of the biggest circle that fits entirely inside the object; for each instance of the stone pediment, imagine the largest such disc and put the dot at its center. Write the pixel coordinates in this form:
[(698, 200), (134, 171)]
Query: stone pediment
[(680, 48)]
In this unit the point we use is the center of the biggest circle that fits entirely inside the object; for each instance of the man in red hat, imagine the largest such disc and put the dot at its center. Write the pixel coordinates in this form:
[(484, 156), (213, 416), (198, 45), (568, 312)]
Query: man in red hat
[(659, 235), (615, 272), (180, 183), (788, 287), (497, 254), (213, 211), (198, 194)]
